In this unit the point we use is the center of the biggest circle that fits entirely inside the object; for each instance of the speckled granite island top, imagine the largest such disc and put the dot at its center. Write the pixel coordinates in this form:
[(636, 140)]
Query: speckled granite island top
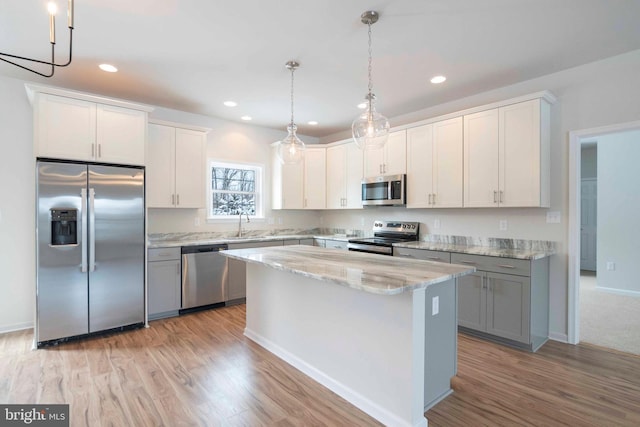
[(503, 248), (378, 274)]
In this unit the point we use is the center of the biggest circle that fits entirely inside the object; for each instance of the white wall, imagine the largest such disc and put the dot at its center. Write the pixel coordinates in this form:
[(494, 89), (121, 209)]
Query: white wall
[(17, 208), (597, 94), (618, 207), (237, 143)]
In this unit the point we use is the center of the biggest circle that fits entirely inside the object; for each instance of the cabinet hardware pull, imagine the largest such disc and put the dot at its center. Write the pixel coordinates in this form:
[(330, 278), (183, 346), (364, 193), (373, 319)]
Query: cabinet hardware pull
[(177, 199), (468, 262), (429, 198), (434, 199), (407, 255), (484, 283), (501, 196), (432, 257), (505, 266), (173, 199), (495, 197), (93, 150), (99, 150)]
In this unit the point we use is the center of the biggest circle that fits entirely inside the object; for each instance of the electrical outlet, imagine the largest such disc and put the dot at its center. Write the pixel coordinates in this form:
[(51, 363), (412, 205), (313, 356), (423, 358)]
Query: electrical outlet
[(435, 306), (279, 220), (362, 221), (196, 221), (611, 266), (436, 224), (503, 225), (270, 220), (553, 217)]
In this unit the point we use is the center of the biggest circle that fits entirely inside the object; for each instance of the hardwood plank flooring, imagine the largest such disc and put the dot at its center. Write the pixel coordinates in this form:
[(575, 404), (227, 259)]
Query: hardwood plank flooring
[(200, 370)]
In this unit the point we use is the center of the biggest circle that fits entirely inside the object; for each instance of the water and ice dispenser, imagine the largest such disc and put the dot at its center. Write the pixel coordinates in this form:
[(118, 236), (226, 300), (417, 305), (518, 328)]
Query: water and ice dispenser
[(64, 227)]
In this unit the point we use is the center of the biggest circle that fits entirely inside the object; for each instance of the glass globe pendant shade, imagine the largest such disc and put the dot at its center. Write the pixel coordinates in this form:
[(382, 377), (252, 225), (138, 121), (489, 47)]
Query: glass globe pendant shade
[(370, 129), (291, 148)]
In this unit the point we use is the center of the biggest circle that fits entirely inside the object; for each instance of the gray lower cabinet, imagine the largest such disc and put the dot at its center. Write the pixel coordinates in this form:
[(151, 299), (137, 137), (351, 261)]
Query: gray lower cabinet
[(164, 284), (424, 254), (509, 307), (237, 284), (335, 244), (306, 242)]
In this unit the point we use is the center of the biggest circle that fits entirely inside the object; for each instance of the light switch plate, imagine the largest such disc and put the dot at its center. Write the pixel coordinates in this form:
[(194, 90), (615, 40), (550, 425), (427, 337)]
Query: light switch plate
[(436, 224), (611, 266), (503, 225), (270, 220), (553, 217), (196, 221), (435, 306)]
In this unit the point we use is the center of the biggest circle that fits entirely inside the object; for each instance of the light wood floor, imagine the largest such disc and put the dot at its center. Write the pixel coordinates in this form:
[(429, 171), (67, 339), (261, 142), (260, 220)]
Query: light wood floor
[(200, 370)]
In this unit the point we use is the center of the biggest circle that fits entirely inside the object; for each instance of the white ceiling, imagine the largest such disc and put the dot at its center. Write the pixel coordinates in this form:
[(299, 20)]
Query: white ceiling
[(192, 55)]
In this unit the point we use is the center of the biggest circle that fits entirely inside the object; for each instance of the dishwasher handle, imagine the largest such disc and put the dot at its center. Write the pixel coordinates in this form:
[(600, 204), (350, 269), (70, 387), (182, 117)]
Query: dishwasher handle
[(204, 248)]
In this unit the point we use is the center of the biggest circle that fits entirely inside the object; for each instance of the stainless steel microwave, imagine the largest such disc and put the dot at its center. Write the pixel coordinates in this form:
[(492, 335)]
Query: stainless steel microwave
[(386, 190)]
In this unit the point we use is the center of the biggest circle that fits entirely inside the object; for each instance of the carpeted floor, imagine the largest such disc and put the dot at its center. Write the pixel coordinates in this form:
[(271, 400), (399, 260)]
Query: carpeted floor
[(607, 319)]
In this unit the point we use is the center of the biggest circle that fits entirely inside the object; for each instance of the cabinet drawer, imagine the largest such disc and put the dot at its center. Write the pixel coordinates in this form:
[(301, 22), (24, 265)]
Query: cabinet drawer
[(519, 267), (422, 254), (164, 254), (336, 244)]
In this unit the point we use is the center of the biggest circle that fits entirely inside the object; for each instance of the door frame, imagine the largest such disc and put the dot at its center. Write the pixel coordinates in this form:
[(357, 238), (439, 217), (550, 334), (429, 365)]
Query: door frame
[(582, 181), (576, 138)]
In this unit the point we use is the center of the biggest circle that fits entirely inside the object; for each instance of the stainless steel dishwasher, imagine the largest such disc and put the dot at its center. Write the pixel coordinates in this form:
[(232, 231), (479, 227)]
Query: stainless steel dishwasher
[(204, 275)]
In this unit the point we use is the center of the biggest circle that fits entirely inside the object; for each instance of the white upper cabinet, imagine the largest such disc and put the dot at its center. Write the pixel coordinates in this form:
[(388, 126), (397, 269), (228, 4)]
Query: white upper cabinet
[(315, 172), (507, 156), (391, 159), (287, 183), (344, 176), (175, 167), (434, 165), (72, 126)]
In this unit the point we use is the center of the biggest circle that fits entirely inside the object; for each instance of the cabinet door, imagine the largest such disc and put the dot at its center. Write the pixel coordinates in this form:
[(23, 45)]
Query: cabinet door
[(395, 154), (424, 254), (160, 171), (447, 163), (315, 163), (508, 306), (190, 179), (121, 135), (65, 128), (164, 286), (481, 159), (520, 155), (472, 301), (354, 176), (373, 161), (293, 186), (336, 176), (335, 244), (419, 166)]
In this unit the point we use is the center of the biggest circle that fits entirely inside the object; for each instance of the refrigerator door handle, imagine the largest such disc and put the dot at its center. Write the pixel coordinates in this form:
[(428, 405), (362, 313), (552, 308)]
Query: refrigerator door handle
[(92, 230), (83, 231)]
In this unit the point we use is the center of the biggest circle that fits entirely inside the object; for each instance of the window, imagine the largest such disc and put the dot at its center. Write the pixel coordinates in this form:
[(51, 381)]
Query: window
[(234, 189)]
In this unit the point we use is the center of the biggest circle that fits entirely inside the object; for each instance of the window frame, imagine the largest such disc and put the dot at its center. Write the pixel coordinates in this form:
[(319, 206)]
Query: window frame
[(259, 189)]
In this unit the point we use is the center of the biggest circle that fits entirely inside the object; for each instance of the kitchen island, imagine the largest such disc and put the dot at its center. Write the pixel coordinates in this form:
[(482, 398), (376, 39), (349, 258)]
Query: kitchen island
[(377, 330)]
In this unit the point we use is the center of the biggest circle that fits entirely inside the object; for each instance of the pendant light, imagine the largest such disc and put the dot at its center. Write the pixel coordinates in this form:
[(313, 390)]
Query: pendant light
[(291, 148), (370, 129)]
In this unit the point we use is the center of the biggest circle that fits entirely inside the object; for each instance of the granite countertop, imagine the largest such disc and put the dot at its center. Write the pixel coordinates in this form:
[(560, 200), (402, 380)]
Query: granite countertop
[(528, 251), (378, 274), (194, 240)]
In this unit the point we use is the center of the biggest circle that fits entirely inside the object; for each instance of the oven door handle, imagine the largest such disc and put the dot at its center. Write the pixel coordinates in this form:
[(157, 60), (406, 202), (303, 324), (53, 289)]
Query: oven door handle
[(384, 250)]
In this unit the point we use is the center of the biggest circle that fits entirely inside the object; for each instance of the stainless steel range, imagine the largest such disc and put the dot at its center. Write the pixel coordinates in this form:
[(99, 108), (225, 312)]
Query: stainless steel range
[(385, 234)]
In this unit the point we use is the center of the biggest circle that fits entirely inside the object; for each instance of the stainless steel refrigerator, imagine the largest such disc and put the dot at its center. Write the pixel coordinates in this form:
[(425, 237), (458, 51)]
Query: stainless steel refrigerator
[(90, 249)]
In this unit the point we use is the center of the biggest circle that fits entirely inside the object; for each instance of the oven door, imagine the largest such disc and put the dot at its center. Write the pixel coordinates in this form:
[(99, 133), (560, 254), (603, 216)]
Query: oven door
[(372, 249)]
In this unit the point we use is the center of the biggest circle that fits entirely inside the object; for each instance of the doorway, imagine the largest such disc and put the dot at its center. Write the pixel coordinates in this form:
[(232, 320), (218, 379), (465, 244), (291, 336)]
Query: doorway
[(579, 249)]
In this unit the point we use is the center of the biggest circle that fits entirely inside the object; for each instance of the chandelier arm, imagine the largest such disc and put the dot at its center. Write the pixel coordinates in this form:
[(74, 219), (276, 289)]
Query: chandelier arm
[(52, 63), (33, 60)]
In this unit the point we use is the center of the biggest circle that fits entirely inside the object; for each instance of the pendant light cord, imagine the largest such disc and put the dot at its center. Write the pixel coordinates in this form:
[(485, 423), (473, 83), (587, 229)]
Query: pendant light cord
[(370, 96), (292, 70)]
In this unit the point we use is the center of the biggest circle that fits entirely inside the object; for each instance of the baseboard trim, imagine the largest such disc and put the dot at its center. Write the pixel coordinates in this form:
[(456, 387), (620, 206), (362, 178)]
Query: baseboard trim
[(337, 387), (16, 327), (617, 291), (556, 336)]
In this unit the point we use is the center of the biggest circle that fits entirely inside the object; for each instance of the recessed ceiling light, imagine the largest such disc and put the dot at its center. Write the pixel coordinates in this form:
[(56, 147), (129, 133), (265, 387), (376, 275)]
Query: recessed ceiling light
[(108, 68), (312, 123), (230, 103), (245, 118), (438, 79), (362, 105)]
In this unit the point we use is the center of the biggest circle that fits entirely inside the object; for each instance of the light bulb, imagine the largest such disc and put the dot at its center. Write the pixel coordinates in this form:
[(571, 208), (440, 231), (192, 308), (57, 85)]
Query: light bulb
[(52, 8)]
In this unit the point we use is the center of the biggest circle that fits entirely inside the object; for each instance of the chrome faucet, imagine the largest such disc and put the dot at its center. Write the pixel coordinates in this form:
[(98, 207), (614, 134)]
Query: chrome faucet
[(240, 223)]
